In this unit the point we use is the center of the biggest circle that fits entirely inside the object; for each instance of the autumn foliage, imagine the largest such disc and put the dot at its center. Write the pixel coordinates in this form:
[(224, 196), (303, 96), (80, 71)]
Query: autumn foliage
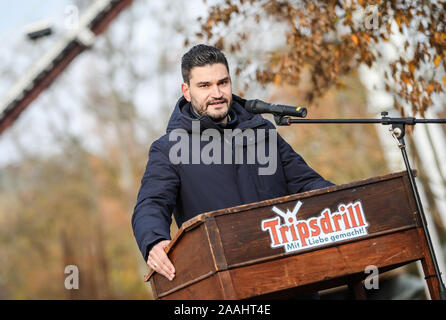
[(334, 37)]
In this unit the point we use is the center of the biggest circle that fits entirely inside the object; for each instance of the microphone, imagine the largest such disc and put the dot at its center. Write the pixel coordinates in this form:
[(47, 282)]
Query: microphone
[(258, 106)]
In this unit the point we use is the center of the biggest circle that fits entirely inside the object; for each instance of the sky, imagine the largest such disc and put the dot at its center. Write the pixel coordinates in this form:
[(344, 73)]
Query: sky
[(15, 18), (15, 15)]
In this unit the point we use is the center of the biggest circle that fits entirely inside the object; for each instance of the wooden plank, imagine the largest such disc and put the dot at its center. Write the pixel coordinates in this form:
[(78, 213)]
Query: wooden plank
[(428, 268), (206, 289), (227, 287), (219, 257), (186, 227), (330, 263), (214, 240), (192, 259)]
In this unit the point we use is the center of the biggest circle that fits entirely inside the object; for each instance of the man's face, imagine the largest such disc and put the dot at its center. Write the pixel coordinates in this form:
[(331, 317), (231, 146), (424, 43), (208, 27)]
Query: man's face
[(210, 91)]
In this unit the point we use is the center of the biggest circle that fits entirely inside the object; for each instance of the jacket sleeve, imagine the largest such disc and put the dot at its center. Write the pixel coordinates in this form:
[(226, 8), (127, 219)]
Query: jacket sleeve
[(299, 176), (156, 201)]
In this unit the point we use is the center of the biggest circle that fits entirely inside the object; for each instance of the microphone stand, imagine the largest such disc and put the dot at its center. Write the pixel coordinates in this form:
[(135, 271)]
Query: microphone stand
[(398, 130)]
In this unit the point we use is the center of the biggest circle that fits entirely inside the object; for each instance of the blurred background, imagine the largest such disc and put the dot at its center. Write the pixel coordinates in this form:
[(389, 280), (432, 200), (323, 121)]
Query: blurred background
[(87, 86)]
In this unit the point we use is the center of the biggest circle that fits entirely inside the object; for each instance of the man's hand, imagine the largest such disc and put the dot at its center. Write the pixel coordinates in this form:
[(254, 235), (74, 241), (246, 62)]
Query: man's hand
[(159, 261)]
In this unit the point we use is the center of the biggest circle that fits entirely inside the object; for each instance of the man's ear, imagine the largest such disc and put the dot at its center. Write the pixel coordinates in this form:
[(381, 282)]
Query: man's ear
[(186, 91)]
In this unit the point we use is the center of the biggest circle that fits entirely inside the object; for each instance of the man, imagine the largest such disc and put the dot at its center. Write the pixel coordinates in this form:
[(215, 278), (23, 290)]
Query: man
[(187, 188)]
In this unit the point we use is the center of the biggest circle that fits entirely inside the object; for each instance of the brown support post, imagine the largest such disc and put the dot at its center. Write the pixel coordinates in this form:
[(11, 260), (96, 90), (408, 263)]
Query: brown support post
[(428, 268), (357, 288)]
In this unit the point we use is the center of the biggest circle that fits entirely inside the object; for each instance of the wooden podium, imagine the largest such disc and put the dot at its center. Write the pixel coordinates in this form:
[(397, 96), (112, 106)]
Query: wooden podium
[(225, 254)]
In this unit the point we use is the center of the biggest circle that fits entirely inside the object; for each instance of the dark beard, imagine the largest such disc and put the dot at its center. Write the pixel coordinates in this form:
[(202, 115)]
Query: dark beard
[(218, 119), (215, 119)]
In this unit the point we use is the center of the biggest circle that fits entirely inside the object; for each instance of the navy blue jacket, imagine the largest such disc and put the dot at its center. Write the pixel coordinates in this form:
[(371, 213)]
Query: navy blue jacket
[(188, 189)]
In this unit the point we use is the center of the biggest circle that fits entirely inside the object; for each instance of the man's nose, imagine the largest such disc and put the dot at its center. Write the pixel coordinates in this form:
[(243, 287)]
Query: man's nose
[(216, 92)]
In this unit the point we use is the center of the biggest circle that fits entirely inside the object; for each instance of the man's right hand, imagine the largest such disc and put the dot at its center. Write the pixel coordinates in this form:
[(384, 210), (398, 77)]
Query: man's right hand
[(159, 261)]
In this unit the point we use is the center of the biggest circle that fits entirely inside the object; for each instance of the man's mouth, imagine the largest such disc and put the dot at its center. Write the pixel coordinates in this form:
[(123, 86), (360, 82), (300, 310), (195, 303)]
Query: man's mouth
[(218, 103)]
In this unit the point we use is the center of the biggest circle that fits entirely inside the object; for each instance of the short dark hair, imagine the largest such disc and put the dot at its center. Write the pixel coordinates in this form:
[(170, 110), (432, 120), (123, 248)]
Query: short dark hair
[(199, 56)]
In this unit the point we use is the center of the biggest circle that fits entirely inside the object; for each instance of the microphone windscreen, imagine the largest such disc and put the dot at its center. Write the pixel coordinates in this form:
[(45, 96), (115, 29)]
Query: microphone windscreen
[(250, 105)]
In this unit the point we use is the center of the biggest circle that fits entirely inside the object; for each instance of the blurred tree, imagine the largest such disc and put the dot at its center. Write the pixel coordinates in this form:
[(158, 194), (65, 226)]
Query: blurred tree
[(67, 210), (331, 38), (73, 205), (341, 153)]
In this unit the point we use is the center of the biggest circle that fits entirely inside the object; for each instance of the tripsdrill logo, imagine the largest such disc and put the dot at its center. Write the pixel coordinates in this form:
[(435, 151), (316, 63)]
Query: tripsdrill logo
[(347, 223)]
